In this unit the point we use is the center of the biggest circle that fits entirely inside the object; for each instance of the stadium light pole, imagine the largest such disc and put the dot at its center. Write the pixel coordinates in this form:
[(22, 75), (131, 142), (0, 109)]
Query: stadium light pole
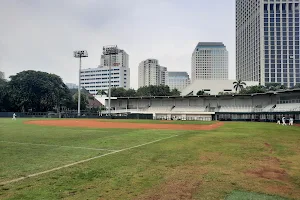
[(109, 91), (79, 54), (109, 51)]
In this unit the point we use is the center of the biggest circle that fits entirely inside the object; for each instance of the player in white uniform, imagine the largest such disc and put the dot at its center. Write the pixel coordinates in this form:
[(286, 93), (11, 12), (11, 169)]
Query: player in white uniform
[(14, 116), (283, 121), (291, 121), (278, 121)]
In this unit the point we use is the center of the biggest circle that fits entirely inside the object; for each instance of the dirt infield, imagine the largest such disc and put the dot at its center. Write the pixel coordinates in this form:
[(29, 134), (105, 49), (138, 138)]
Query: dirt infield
[(123, 125)]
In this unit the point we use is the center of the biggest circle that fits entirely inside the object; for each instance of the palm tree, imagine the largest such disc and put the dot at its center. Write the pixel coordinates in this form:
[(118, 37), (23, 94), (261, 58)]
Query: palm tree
[(238, 85)]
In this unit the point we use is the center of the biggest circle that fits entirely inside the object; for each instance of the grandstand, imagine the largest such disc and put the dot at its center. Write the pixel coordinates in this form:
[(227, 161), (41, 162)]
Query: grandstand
[(234, 109), (266, 106)]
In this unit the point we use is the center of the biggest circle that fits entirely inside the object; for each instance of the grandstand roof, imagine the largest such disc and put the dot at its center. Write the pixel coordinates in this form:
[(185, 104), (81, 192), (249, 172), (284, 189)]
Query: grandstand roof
[(211, 96)]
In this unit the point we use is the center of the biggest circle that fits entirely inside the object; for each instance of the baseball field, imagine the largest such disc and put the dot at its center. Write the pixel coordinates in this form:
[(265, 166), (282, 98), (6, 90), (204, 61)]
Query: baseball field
[(148, 159)]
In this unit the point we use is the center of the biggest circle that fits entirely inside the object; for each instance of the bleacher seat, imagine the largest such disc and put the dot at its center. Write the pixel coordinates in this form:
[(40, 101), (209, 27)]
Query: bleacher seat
[(159, 109), (268, 108), (188, 109), (234, 109), (287, 107)]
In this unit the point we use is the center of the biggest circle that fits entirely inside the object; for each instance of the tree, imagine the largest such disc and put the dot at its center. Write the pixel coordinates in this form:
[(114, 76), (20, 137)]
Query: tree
[(225, 93), (274, 86), (201, 92), (239, 85), (4, 91), (175, 92), (253, 89), (297, 85), (83, 101), (101, 92), (130, 93), (118, 92), (154, 90), (37, 91)]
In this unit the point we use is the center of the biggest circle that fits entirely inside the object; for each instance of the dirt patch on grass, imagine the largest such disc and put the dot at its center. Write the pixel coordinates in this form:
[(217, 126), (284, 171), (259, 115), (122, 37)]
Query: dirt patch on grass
[(269, 169), (270, 149), (182, 184), (267, 145), (122, 125), (175, 190), (210, 156), (269, 173), (279, 189)]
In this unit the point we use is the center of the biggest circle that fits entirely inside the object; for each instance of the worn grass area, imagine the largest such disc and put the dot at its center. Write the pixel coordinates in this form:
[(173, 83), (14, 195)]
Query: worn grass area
[(145, 121), (239, 195), (258, 157)]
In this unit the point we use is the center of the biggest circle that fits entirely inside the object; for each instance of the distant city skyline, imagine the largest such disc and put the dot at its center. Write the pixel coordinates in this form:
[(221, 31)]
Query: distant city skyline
[(49, 31)]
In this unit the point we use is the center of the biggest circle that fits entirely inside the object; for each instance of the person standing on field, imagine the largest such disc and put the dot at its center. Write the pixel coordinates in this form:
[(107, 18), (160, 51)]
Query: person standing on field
[(291, 122), (278, 121), (14, 116), (283, 121)]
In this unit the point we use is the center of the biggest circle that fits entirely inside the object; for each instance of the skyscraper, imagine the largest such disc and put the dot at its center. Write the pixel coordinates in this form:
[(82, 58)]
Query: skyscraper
[(210, 61), (151, 73), (178, 80), (95, 79), (2, 76), (267, 41)]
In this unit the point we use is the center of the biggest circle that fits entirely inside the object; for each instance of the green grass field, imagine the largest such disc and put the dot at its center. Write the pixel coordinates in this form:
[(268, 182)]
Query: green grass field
[(239, 161)]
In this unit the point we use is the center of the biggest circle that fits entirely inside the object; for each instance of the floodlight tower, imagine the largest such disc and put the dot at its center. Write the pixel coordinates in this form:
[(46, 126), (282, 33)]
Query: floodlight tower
[(80, 54), (109, 51)]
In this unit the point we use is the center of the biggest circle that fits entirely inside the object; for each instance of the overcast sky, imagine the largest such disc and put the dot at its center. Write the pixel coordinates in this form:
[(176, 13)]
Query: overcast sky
[(42, 34)]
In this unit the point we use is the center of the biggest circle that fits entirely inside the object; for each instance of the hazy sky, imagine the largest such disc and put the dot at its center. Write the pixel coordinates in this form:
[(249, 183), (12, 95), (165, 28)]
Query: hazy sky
[(42, 34)]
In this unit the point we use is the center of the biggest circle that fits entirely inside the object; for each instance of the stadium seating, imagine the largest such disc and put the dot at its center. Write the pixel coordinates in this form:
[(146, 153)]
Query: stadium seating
[(155, 109), (180, 109), (236, 109), (268, 108), (196, 109), (287, 107)]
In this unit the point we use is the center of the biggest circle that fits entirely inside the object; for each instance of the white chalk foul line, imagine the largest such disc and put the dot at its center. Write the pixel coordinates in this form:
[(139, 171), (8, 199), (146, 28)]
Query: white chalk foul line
[(82, 161), (53, 145)]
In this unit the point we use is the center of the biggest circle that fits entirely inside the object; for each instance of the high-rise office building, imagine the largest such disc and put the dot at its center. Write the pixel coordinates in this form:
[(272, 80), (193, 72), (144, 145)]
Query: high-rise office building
[(267, 41), (95, 79), (178, 80), (151, 73), (210, 61), (2, 76)]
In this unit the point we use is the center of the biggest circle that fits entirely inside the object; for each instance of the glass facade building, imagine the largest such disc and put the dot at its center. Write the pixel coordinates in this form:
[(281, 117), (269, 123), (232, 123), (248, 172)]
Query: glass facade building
[(177, 80), (210, 61), (267, 41)]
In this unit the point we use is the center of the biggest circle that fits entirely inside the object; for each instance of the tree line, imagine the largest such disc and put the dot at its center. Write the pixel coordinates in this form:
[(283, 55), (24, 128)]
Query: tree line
[(241, 88), (152, 90), (37, 92)]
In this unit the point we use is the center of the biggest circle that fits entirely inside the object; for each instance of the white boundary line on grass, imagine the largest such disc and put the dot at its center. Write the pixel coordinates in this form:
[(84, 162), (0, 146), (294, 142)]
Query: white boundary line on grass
[(82, 161), (53, 145)]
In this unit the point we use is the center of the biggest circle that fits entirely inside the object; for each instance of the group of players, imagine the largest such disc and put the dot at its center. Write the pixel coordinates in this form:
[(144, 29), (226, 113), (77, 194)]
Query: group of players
[(283, 119)]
